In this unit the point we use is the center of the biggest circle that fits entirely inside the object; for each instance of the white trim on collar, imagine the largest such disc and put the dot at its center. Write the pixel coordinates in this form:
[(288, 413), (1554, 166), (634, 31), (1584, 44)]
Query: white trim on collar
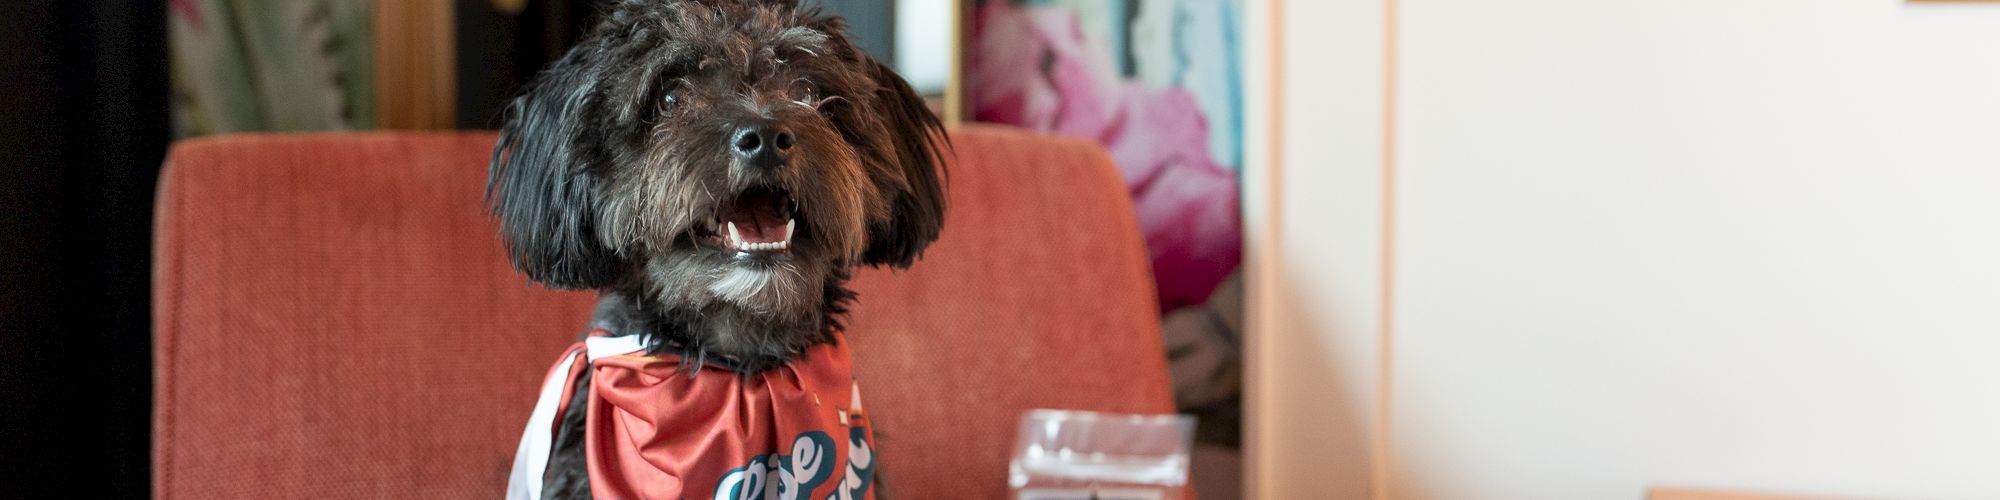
[(604, 347)]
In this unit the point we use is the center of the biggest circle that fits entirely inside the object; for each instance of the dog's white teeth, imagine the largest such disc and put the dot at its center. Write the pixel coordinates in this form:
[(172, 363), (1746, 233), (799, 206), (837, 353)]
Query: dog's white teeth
[(762, 247), (789, 224), (737, 242)]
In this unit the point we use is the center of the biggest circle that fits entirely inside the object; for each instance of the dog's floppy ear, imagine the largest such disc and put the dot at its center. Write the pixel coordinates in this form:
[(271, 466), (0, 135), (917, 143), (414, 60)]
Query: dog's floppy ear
[(917, 212), (540, 187)]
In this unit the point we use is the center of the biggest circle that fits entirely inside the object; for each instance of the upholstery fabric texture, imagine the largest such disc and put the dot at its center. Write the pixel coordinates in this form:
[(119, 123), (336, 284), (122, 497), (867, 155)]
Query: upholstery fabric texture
[(335, 318)]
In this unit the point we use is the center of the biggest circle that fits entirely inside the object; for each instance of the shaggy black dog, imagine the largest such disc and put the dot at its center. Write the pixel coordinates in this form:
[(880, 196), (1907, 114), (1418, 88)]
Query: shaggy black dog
[(715, 169)]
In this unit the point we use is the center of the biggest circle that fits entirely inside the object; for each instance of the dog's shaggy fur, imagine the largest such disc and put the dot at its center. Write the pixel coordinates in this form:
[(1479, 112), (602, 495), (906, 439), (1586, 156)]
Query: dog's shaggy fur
[(622, 164)]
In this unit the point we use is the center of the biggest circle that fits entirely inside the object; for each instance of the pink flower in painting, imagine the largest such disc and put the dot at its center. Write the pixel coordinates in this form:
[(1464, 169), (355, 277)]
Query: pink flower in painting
[(1033, 67)]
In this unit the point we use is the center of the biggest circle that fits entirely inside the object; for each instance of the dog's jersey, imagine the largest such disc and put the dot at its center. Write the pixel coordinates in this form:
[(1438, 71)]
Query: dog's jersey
[(653, 431)]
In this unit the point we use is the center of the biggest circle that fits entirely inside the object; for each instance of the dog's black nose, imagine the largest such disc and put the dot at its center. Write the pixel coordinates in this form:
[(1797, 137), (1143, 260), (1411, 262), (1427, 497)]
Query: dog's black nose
[(763, 143)]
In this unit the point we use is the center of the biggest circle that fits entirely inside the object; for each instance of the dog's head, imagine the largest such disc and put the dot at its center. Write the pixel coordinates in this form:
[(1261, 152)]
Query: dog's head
[(719, 161)]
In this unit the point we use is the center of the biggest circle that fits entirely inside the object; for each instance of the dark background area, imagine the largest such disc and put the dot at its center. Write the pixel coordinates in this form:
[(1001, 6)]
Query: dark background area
[(84, 124), (498, 52)]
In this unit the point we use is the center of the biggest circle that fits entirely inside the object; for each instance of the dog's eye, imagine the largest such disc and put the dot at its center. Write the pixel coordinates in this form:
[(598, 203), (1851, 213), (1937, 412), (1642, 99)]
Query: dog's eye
[(803, 91)]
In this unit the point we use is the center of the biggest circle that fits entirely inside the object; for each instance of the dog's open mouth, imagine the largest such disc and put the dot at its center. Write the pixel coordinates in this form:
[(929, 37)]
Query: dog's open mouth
[(758, 220)]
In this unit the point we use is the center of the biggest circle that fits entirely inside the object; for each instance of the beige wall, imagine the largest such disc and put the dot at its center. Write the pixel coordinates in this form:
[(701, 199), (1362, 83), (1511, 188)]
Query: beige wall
[(1748, 244)]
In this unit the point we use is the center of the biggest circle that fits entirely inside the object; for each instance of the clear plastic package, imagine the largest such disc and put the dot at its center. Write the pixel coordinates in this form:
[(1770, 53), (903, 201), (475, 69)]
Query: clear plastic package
[(1080, 455)]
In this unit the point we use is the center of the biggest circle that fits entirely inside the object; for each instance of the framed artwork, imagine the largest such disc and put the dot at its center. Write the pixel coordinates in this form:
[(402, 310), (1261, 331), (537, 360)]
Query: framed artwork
[(1159, 84)]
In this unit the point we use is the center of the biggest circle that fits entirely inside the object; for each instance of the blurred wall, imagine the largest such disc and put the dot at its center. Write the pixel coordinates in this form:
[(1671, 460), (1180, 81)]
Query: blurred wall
[(1745, 244), (922, 43), (871, 23)]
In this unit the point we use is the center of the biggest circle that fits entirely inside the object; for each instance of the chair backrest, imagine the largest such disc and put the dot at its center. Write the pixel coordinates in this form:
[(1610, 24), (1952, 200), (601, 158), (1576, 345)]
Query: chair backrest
[(1037, 295), (335, 317)]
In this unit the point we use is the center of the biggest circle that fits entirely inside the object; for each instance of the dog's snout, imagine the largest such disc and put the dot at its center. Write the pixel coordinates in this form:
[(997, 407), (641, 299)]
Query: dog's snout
[(763, 143)]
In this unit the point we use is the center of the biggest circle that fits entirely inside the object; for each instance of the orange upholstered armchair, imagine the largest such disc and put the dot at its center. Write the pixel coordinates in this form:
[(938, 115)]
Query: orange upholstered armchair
[(335, 318)]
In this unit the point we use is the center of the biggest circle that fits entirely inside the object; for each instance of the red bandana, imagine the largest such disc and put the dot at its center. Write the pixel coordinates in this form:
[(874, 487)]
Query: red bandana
[(654, 431)]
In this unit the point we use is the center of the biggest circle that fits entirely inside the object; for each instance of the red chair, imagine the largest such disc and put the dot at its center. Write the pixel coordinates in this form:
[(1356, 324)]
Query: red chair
[(335, 318)]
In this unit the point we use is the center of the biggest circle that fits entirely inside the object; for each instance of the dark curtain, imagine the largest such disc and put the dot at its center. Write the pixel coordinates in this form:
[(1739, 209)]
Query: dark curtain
[(83, 127)]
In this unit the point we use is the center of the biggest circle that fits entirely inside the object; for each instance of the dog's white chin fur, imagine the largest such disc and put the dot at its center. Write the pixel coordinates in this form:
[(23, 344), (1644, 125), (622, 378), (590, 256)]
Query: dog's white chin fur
[(763, 289)]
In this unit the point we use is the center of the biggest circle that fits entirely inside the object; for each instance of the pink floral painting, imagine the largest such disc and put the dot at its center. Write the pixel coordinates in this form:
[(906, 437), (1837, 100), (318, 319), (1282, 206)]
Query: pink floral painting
[(1156, 83)]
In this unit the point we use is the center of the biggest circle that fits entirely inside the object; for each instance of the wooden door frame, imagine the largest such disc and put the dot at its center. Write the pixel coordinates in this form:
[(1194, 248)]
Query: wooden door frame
[(415, 70)]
